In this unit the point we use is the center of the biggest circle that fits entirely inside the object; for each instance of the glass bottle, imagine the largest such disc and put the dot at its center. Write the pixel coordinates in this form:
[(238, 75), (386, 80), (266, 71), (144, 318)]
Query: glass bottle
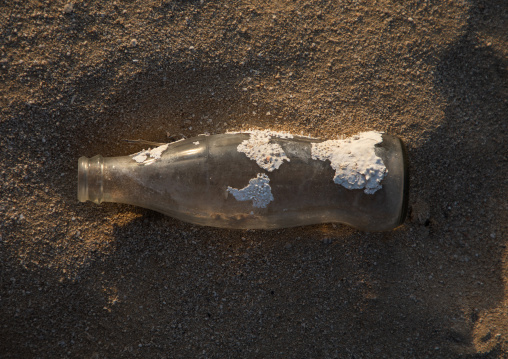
[(259, 180)]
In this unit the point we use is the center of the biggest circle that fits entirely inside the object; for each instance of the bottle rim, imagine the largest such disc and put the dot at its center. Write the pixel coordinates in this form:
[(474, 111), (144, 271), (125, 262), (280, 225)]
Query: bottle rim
[(83, 165)]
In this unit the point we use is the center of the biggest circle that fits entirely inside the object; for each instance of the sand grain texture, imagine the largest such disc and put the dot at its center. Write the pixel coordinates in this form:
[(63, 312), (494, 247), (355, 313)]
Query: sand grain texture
[(85, 281)]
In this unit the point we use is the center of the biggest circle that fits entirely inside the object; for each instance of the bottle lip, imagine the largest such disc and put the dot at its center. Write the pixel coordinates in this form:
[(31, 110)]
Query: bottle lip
[(83, 165), (90, 179)]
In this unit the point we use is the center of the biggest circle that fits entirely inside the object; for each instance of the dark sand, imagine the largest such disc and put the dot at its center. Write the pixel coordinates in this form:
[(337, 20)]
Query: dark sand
[(85, 281)]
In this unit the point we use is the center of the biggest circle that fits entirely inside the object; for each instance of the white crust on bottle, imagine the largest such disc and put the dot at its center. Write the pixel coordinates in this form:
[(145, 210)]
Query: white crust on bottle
[(354, 160), (258, 191), (268, 156), (149, 156)]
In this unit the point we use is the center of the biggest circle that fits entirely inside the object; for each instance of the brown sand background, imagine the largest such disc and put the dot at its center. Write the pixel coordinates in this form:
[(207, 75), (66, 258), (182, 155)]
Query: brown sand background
[(114, 281)]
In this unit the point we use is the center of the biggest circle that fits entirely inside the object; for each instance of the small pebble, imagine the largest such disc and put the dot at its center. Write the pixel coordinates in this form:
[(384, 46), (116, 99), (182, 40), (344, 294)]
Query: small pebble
[(68, 8), (134, 42), (327, 240)]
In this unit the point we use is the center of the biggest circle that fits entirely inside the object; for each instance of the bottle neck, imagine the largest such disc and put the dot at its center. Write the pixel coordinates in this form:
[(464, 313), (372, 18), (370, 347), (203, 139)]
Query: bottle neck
[(90, 179), (111, 179)]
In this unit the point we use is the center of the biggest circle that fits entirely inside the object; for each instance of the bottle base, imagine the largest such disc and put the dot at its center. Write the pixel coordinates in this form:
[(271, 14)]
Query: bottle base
[(405, 199)]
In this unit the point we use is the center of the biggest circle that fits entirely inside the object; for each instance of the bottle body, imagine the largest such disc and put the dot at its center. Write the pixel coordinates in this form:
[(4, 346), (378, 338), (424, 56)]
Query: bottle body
[(214, 181)]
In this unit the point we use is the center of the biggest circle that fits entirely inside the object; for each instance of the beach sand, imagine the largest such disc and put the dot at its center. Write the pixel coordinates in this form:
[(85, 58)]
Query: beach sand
[(114, 281)]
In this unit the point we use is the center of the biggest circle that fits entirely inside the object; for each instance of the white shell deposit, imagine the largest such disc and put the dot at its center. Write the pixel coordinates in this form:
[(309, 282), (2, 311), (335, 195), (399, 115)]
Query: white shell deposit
[(354, 160), (268, 156), (258, 191), (147, 157)]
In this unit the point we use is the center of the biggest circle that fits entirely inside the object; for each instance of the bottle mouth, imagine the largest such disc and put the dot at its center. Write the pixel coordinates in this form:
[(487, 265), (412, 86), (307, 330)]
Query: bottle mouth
[(90, 184), (83, 179)]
